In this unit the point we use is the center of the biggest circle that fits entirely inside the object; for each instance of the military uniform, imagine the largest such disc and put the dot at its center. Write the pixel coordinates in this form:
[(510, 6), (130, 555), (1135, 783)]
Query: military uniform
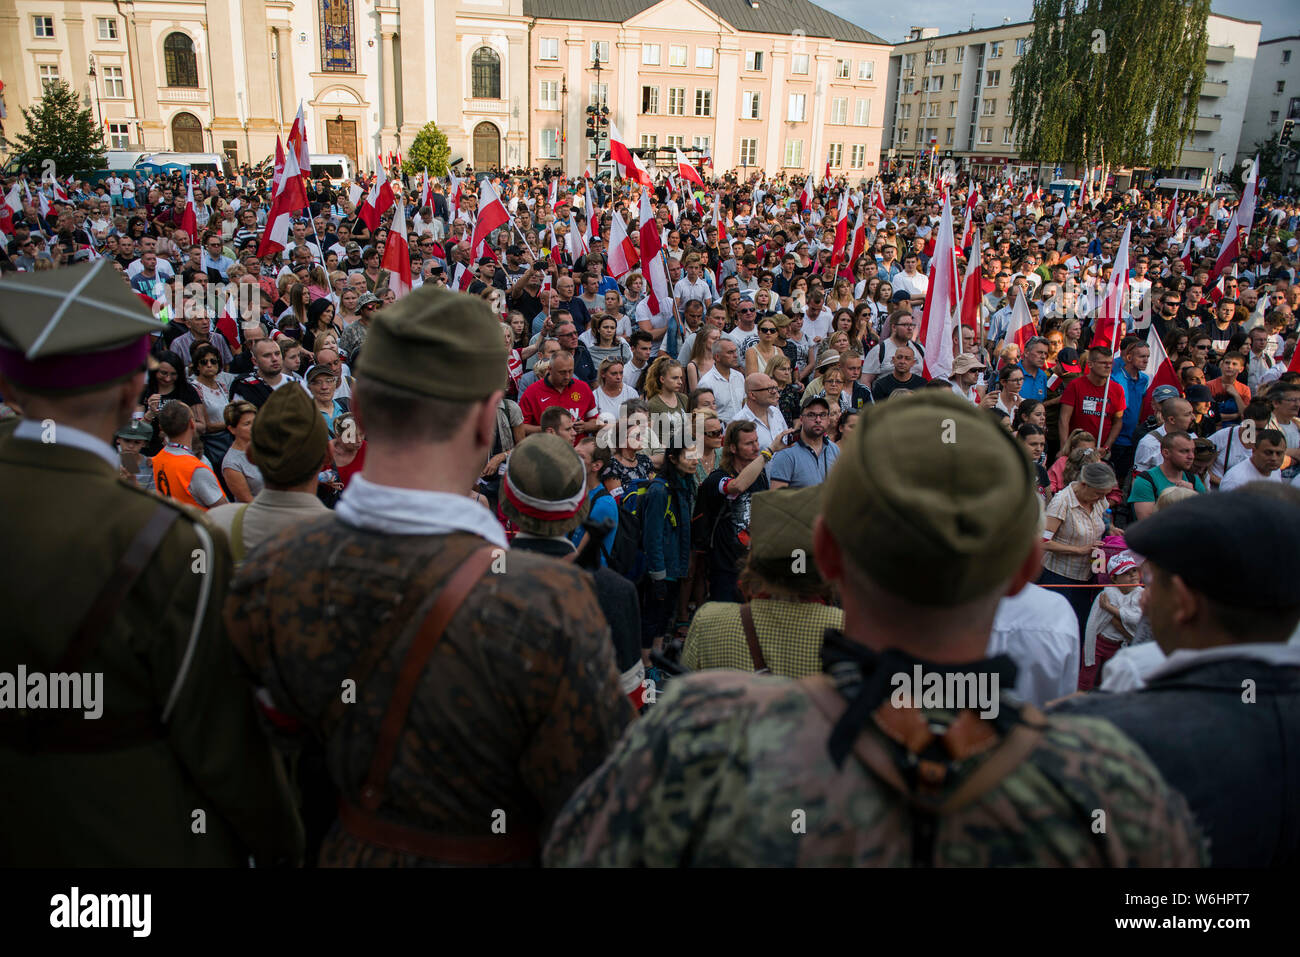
[(106, 578)]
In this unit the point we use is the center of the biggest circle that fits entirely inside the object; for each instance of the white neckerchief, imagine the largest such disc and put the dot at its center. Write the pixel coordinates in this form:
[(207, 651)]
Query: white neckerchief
[(408, 511), (35, 431)]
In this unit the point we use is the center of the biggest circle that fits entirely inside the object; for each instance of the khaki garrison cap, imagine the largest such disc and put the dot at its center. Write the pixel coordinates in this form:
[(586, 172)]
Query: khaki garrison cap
[(73, 329), (780, 526), (289, 437), (437, 343), (933, 500)]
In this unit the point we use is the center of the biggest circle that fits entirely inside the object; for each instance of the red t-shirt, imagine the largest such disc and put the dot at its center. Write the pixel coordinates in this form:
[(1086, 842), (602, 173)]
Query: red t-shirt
[(576, 397), (352, 468), (1085, 398)]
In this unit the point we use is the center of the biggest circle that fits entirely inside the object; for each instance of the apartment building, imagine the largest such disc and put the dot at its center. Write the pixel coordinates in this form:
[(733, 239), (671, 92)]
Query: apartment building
[(1274, 95)]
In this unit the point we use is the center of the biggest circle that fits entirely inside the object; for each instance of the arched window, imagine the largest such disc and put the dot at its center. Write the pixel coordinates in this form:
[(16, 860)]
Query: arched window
[(178, 58), (485, 73)]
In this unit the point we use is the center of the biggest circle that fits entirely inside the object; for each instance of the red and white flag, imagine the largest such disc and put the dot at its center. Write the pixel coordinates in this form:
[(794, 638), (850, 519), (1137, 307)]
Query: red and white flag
[(426, 190), (971, 289), (573, 241), (1159, 368), (656, 273), (629, 165), (1110, 319), (859, 235), (1186, 255), (623, 256), (841, 233), (397, 254), (378, 200), (826, 176), (491, 215), (593, 213), (284, 205), (553, 194), (878, 198), (1171, 220), (1021, 329), (1229, 250), (718, 222), (557, 250), (189, 217), (685, 170), (298, 144), (279, 166), (940, 300), (807, 193)]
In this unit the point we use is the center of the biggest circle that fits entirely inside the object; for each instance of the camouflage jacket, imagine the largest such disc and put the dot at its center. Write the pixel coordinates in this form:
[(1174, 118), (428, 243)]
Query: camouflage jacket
[(518, 704), (733, 770)]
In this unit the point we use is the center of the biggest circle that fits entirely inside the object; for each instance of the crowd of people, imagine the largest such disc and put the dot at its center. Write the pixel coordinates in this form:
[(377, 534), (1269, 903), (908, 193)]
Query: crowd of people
[(696, 458)]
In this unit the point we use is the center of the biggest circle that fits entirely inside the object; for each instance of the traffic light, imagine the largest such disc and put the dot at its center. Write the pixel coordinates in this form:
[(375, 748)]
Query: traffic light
[(1285, 138)]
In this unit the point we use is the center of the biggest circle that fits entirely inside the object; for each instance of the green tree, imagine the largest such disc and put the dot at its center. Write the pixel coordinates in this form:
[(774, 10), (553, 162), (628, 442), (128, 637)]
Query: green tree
[(430, 150), (61, 129), (1105, 83)]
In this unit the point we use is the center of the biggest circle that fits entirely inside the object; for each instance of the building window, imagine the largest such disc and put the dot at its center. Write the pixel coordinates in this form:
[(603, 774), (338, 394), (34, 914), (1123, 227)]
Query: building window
[(799, 64), (675, 141), (649, 54), (649, 99), (599, 94), (947, 137), (952, 108), (1272, 117), (704, 58), (989, 107), (866, 69), (485, 74), (842, 69), (49, 76), (933, 84), (986, 134), (1022, 45), (676, 56), (754, 61), (795, 113), (114, 85), (701, 142), (1011, 106), (649, 141), (907, 111), (748, 151), (181, 64), (857, 156), (840, 110), (43, 27), (956, 82), (995, 49), (749, 105), (549, 96), (836, 155), (909, 60), (907, 85), (961, 55), (992, 77), (119, 135), (862, 112), (794, 154), (550, 144), (932, 110), (548, 48), (1286, 57), (600, 50), (337, 37), (677, 101), (1006, 136), (903, 134), (106, 27), (703, 102), (1281, 86)]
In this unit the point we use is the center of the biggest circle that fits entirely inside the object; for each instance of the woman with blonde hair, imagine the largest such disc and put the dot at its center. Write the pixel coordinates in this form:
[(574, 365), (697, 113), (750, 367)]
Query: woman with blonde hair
[(701, 360), (782, 373), (665, 381), (841, 296), (760, 355), (1078, 439)]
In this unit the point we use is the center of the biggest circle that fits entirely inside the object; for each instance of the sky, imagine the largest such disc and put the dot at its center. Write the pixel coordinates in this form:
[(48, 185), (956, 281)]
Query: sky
[(1277, 16)]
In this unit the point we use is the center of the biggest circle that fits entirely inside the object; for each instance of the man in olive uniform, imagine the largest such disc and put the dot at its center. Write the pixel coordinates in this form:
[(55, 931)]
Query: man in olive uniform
[(462, 691), (929, 518), (109, 580)]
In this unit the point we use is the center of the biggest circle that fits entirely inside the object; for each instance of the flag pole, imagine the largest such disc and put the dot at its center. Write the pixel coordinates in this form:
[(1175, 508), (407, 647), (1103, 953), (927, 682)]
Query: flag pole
[(523, 237)]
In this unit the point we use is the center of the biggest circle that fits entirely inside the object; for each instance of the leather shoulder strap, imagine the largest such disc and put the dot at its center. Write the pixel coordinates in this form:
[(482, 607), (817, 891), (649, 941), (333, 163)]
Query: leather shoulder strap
[(106, 604), (449, 600), (751, 637)]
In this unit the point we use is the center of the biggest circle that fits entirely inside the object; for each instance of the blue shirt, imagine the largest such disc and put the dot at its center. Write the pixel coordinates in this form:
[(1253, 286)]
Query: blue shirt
[(603, 509), (1035, 386), (799, 467), (1134, 391)]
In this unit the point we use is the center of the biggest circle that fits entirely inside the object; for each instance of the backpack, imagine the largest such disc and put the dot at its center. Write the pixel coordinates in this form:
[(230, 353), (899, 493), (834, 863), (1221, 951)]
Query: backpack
[(624, 555)]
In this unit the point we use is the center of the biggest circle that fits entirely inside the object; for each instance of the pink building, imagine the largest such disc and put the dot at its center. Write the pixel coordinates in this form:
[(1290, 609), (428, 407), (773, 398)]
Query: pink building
[(775, 85)]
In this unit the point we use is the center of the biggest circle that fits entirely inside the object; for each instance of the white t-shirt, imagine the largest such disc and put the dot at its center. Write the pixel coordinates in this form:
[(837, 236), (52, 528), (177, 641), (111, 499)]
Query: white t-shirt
[(916, 285), (1040, 632), (607, 406), (1244, 472), (728, 393)]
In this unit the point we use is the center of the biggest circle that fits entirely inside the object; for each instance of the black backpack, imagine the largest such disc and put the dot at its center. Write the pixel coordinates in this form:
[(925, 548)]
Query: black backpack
[(624, 556)]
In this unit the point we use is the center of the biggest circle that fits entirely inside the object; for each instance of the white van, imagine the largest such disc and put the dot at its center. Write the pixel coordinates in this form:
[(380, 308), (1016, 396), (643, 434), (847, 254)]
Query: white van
[(123, 159), (1182, 185), (334, 167), (199, 163)]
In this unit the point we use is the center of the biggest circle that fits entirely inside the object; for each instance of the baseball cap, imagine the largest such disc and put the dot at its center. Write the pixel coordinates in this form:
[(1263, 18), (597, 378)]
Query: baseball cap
[(1164, 392), (1119, 564)]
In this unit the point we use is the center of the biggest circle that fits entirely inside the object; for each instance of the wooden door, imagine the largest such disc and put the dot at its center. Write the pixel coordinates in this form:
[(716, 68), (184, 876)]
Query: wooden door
[(487, 147), (341, 137)]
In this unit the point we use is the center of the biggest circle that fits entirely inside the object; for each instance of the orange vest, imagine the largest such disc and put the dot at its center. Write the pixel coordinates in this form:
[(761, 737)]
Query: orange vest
[(174, 471)]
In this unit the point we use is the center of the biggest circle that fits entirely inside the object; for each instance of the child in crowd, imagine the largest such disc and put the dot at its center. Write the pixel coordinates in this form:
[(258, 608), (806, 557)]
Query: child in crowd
[(1115, 618)]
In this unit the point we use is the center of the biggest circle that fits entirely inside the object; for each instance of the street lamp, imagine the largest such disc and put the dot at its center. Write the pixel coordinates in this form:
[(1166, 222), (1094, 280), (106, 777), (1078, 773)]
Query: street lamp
[(95, 88), (597, 114)]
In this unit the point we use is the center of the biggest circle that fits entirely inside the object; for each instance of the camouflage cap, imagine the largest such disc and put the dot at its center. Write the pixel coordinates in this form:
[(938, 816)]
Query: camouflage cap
[(289, 436), (545, 487), (437, 343), (780, 528), (933, 500)]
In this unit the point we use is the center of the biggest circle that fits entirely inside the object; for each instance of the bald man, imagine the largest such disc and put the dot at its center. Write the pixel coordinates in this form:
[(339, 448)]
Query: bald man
[(1177, 417), (761, 394)]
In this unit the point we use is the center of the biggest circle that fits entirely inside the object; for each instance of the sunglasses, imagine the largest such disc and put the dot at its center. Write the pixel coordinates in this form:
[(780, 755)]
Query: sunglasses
[(209, 362), (767, 330), (713, 433)]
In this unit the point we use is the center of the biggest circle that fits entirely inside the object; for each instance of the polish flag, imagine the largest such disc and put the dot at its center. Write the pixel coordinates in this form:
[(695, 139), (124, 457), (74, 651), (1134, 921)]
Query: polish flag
[(464, 277), (718, 222), (623, 256), (14, 199), (1246, 209), (397, 254), (553, 194), (289, 200), (879, 199), (1186, 255), (298, 144), (1228, 250), (629, 165), (685, 170), (592, 210), (1220, 288), (279, 166), (826, 176), (1022, 328), (189, 218), (491, 215), (940, 299), (573, 241), (557, 249), (1064, 221), (971, 295), (654, 269), (859, 235), (1110, 320), (806, 194), (1160, 369), (1172, 219), (1294, 364), (378, 200), (454, 191), (841, 233), (426, 191)]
